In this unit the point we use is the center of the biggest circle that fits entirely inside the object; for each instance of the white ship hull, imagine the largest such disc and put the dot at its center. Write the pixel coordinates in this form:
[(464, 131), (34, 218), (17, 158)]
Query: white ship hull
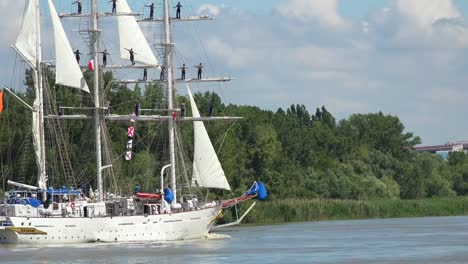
[(164, 227)]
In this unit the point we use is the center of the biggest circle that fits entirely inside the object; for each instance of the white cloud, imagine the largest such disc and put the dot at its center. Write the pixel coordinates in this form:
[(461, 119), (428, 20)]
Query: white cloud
[(324, 11), (208, 9), (425, 13)]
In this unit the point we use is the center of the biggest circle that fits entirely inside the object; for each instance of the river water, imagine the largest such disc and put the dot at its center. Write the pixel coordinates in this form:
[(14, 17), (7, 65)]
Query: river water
[(408, 240)]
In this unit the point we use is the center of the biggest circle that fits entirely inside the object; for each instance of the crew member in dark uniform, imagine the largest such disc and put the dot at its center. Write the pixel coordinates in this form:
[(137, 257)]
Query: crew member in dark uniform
[(145, 74), (78, 2), (137, 108), (182, 110), (114, 6), (151, 10), (132, 56), (183, 68), (104, 57), (77, 55), (161, 75), (200, 70), (178, 6)]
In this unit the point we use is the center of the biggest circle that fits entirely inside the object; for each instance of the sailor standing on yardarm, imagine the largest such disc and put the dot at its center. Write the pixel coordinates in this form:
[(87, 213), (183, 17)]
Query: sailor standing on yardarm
[(77, 55), (183, 68), (78, 2), (200, 70), (132, 56), (114, 6), (145, 74), (161, 75), (178, 6), (104, 57), (151, 10)]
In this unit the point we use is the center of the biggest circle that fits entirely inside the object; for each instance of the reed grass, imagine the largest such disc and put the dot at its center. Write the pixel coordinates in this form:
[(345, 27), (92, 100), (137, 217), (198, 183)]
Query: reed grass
[(293, 210)]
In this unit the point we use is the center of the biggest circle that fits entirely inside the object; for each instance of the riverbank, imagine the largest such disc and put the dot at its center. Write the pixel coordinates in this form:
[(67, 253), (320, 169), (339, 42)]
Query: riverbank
[(293, 210)]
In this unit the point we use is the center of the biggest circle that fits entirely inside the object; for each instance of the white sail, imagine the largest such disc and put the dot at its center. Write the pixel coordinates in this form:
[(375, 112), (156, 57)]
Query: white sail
[(131, 37), (207, 171), (27, 39), (36, 129), (68, 72)]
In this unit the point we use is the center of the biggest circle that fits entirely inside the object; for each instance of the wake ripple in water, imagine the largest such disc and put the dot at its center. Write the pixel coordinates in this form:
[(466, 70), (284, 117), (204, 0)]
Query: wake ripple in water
[(217, 236)]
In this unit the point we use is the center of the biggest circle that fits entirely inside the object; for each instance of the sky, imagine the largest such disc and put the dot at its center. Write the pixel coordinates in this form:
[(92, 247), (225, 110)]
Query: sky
[(402, 57)]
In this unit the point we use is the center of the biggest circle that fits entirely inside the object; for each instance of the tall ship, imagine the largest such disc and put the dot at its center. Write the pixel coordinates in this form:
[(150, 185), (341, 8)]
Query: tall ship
[(74, 213)]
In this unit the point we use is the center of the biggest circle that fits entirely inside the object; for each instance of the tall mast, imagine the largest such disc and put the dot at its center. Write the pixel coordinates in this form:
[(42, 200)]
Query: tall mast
[(41, 180), (97, 115), (170, 92)]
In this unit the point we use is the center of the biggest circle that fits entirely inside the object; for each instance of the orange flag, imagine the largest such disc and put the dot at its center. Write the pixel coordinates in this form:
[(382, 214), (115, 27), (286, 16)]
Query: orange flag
[(1, 102)]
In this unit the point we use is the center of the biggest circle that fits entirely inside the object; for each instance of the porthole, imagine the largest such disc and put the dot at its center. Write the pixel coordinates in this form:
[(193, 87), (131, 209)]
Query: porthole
[(22, 223)]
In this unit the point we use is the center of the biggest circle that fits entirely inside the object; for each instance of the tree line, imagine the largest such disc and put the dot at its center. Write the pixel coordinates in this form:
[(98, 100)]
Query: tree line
[(295, 152)]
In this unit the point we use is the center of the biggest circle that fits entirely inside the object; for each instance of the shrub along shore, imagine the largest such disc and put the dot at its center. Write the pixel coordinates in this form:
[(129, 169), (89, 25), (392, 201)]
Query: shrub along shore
[(294, 210)]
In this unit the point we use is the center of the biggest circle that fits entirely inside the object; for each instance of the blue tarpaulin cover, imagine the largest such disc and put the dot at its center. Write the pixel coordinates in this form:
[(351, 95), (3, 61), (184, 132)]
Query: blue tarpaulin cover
[(262, 191)]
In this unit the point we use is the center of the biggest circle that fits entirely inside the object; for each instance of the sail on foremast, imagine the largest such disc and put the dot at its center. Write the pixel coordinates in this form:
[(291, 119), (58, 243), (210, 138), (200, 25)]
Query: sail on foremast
[(207, 170), (27, 38), (28, 46), (68, 72)]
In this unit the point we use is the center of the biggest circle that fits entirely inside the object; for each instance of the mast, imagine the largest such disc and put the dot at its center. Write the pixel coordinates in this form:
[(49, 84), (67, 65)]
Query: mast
[(170, 92), (42, 177), (97, 114)]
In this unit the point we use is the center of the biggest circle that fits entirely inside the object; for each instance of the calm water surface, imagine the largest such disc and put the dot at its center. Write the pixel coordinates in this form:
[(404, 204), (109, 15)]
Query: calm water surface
[(416, 240)]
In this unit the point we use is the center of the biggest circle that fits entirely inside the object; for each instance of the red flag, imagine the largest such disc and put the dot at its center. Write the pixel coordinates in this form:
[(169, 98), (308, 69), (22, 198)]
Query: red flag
[(130, 131), (1, 102), (128, 155), (91, 65)]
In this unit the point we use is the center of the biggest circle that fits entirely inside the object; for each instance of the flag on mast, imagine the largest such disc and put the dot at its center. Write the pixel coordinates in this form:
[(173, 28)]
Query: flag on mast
[(1, 101), (91, 65)]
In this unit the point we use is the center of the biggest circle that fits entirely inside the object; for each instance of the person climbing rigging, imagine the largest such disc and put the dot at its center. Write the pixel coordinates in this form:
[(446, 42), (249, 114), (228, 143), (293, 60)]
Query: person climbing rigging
[(151, 10), (78, 2), (104, 57), (183, 68), (114, 6), (200, 70), (178, 6), (77, 55), (132, 56)]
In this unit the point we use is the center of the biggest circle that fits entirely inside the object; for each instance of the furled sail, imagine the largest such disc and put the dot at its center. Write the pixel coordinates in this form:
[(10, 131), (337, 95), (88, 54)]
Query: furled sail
[(36, 128), (68, 72), (207, 171), (27, 39), (131, 37)]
